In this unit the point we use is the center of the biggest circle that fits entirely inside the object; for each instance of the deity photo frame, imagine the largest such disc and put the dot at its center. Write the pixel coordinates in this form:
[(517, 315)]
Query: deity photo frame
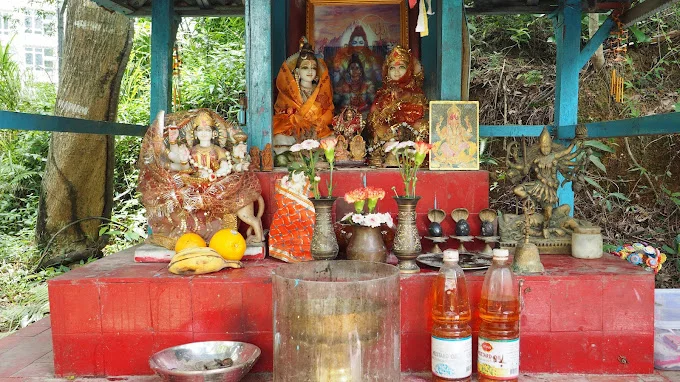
[(353, 38), (454, 135)]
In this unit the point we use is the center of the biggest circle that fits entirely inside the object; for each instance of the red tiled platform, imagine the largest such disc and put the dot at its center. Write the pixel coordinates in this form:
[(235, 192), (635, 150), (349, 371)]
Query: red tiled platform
[(108, 317)]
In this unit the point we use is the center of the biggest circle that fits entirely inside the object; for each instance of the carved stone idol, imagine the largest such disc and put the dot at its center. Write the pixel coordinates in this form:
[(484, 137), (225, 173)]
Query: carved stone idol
[(267, 158), (255, 158), (357, 148), (341, 153)]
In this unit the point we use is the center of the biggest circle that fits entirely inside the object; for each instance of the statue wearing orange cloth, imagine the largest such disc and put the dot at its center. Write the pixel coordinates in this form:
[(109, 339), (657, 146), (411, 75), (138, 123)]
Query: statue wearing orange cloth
[(304, 105), (400, 101)]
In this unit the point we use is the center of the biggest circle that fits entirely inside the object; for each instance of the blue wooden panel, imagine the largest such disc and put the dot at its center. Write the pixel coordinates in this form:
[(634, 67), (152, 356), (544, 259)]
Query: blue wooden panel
[(162, 40), (595, 42), (650, 125), (451, 49), (258, 73), (279, 34), (510, 130), (36, 122), (428, 54)]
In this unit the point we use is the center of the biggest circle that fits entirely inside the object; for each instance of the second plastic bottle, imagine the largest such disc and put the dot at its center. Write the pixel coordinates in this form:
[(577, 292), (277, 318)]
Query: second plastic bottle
[(499, 309), (451, 333)]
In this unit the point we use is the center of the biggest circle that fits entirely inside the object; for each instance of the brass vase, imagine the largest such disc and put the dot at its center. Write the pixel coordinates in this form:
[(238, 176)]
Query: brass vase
[(407, 240), (324, 244), (366, 243)]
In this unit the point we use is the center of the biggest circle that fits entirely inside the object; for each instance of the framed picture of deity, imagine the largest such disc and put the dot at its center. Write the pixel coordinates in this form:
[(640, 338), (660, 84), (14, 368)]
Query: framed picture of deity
[(353, 38), (454, 135)]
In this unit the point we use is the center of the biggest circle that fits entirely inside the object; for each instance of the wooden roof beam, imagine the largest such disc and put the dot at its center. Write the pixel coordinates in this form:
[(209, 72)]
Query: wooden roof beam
[(197, 11), (644, 10), (114, 6)]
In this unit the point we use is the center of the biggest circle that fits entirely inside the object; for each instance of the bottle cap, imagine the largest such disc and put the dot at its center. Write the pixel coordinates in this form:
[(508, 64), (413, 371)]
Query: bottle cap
[(500, 254), (451, 255)]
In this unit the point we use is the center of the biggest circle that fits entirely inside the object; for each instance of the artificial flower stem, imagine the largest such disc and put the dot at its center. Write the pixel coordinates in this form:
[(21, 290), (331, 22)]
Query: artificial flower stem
[(359, 206), (330, 185), (372, 203)]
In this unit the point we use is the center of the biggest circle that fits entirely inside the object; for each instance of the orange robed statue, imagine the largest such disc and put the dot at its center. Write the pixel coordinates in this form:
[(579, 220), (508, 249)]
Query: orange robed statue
[(304, 105)]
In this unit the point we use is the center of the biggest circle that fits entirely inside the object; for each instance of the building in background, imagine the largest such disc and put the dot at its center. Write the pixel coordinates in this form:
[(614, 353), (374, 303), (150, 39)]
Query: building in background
[(31, 28)]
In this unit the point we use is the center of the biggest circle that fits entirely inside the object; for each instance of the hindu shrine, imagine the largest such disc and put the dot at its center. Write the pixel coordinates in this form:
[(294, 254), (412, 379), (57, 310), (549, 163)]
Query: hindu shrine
[(356, 141)]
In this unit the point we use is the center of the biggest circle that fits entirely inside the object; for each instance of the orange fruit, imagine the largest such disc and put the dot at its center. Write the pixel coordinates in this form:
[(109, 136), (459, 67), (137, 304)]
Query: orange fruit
[(229, 244), (189, 240)]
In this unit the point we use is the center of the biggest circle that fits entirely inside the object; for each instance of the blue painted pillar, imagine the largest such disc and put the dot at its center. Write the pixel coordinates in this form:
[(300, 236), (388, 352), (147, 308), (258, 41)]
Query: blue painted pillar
[(567, 27), (163, 32), (258, 72), (450, 48)]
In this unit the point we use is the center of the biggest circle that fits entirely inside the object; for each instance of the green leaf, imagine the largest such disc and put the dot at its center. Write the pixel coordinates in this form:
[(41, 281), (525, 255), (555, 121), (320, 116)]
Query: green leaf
[(596, 161), (599, 145), (676, 107), (639, 35), (620, 196), (593, 183), (668, 250)]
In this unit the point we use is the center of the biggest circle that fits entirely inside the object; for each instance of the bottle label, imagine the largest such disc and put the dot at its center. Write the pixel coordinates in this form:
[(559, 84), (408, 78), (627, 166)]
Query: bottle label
[(452, 357), (498, 358)]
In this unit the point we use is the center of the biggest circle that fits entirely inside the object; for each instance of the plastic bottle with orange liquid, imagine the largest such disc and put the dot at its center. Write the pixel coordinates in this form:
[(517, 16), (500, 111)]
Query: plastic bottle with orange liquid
[(451, 332), (499, 309)]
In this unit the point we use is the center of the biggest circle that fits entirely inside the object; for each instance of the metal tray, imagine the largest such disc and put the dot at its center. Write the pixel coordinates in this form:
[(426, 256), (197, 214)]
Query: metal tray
[(469, 262)]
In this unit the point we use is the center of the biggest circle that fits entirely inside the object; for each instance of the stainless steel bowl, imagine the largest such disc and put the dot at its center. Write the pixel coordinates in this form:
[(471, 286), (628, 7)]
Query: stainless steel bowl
[(187, 363)]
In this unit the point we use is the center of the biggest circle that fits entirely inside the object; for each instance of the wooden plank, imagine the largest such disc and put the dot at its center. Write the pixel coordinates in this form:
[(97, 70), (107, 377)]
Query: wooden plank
[(429, 46), (258, 73), (280, 10), (36, 122), (595, 42), (542, 8), (650, 125), (162, 40), (644, 10), (115, 6), (195, 11), (451, 49)]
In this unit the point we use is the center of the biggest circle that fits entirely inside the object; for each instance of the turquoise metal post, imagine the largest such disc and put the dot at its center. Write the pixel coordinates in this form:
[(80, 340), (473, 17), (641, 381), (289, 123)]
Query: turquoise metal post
[(163, 30), (428, 54), (258, 72), (567, 27), (450, 48)]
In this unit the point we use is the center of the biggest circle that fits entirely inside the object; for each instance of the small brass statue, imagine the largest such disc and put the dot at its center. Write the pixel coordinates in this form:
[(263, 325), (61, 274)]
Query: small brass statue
[(540, 164)]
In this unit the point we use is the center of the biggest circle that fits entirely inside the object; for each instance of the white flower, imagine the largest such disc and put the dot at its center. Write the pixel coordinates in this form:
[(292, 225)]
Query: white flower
[(309, 144), (372, 220), (317, 178), (391, 145), (240, 150), (358, 219), (387, 219), (405, 144), (296, 147)]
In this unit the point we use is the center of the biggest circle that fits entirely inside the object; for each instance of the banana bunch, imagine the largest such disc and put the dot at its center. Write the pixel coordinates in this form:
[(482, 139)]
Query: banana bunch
[(198, 261)]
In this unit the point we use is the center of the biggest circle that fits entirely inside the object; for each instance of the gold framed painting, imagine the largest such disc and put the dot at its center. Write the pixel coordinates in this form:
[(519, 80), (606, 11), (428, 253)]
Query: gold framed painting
[(353, 38), (454, 135)]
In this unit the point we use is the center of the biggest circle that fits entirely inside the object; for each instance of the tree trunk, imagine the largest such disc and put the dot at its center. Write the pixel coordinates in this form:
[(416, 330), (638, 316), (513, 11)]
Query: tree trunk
[(78, 180), (593, 26)]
